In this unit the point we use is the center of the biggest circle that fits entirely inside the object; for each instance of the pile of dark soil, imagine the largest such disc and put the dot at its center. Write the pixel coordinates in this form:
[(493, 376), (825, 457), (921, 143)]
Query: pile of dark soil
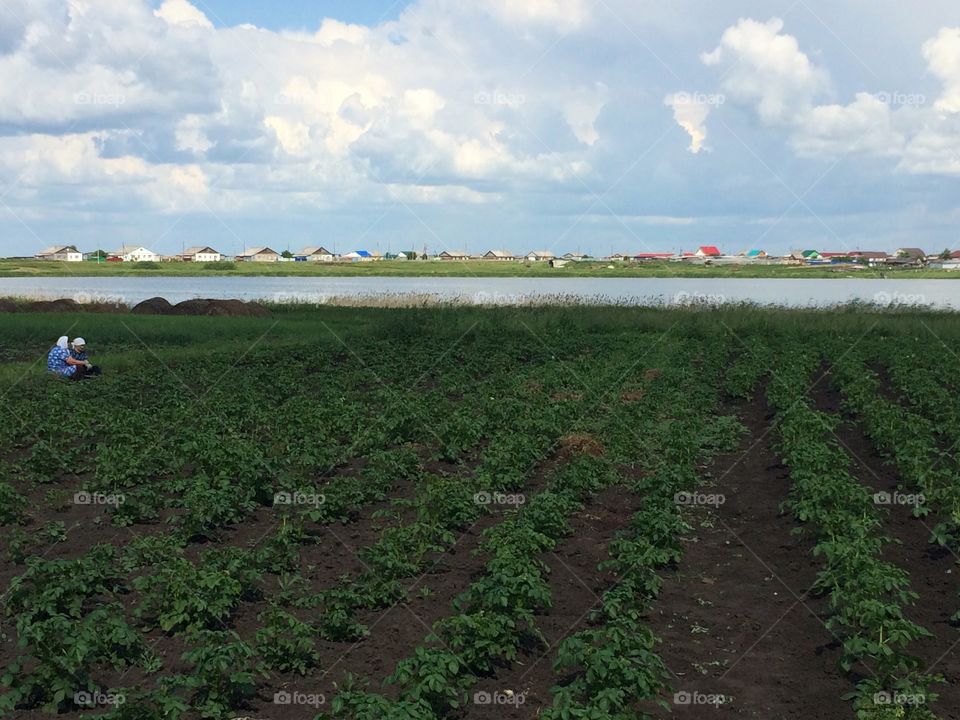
[(153, 306), (72, 306), (215, 308)]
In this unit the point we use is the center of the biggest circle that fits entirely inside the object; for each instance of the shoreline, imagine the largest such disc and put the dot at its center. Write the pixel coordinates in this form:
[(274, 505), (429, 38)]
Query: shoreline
[(480, 269), (237, 307)]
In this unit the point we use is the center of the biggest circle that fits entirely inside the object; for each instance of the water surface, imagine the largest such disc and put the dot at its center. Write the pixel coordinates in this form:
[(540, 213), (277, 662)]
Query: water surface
[(504, 291)]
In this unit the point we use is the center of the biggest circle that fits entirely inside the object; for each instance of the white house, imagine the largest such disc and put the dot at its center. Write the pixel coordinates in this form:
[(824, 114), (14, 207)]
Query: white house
[(453, 255), (316, 254), (135, 253), (63, 253), (359, 256), (200, 254), (540, 256), (951, 264), (259, 254), (499, 255)]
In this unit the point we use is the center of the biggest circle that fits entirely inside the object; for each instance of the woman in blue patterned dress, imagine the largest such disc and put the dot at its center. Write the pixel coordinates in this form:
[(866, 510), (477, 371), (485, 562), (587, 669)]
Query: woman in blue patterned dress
[(61, 362)]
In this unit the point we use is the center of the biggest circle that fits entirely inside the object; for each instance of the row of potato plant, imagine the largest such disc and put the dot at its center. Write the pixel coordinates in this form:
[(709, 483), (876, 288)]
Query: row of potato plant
[(614, 662), (869, 597), (496, 617)]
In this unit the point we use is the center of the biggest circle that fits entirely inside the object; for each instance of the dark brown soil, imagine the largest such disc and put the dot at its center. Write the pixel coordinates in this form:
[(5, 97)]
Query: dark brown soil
[(736, 618), (69, 306), (932, 569), (395, 632), (576, 586), (153, 306), (53, 306)]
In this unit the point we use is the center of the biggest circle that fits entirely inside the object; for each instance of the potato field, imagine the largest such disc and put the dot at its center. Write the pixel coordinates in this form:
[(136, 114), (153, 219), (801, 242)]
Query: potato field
[(450, 513)]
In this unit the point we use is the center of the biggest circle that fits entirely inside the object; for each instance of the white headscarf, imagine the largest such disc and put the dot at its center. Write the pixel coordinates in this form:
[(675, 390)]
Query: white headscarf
[(79, 342), (62, 342)]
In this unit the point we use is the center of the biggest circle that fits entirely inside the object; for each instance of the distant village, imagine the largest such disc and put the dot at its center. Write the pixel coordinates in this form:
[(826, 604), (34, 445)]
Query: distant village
[(706, 255)]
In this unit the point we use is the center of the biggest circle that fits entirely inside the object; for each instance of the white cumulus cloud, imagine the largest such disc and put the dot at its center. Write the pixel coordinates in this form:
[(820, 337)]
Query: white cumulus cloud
[(767, 69), (691, 115)]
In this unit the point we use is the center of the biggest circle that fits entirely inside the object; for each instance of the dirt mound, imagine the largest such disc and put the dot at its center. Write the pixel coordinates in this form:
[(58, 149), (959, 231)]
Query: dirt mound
[(652, 374), (54, 306), (580, 444), (220, 308), (71, 306), (8, 306), (153, 306), (631, 396), (563, 396)]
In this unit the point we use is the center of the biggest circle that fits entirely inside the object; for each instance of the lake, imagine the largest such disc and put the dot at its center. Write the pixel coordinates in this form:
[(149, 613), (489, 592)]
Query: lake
[(943, 294)]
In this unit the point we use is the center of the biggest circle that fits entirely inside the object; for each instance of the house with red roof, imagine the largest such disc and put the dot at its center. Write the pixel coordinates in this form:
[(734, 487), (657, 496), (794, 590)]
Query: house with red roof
[(708, 251)]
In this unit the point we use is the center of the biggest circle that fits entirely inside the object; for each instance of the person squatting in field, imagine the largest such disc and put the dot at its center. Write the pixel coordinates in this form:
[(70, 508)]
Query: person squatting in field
[(71, 364), (79, 353)]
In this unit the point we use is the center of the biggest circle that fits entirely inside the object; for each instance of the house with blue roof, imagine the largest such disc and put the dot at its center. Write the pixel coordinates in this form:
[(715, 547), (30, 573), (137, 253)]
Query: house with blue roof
[(359, 256)]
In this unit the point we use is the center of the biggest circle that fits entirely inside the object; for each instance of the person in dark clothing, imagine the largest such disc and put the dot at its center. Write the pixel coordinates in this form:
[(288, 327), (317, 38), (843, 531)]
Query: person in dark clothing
[(85, 369)]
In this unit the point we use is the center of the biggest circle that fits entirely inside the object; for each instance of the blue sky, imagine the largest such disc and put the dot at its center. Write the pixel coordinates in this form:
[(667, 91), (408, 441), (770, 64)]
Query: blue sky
[(610, 126), (287, 14)]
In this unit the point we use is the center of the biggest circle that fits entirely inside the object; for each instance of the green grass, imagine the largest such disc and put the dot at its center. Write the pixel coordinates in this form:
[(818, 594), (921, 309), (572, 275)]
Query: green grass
[(438, 268), (126, 341)]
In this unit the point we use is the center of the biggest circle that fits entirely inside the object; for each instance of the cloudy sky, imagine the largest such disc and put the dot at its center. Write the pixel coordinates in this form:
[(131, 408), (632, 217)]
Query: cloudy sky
[(598, 125)]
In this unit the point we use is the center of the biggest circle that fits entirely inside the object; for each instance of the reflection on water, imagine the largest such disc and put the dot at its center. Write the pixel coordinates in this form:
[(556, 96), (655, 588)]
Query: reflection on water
[(499, 291)]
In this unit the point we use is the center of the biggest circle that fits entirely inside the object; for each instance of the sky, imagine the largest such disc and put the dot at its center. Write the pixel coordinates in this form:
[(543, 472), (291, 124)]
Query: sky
[(597, 126), (307, 16)]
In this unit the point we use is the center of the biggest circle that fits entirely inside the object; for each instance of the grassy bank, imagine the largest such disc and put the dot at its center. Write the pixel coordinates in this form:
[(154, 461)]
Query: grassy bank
[(146, 340), (430, 268)]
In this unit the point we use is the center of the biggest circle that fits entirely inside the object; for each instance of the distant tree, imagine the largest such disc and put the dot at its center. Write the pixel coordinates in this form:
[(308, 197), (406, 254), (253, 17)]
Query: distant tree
[(945, 255), (287, 254), (98, 255)]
